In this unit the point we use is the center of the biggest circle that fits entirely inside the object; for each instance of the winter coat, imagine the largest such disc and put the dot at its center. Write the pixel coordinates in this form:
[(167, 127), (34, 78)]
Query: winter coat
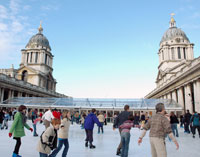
[(173, 120), (101, 118), (64, 129), (48, 116), (1, 117), (195, 120), (187, 118), (17, 127), (126, 126), (47, 139), (136, 120), (90, 120), (121, 118)]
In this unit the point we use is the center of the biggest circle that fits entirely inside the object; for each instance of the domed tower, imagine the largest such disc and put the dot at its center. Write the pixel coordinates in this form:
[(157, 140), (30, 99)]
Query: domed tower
[(36, 62), (38, 53), (175, 51)]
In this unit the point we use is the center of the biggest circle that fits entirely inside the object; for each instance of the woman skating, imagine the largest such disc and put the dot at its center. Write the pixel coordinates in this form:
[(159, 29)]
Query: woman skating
[(48, 139), (63, 135), (17, 128)]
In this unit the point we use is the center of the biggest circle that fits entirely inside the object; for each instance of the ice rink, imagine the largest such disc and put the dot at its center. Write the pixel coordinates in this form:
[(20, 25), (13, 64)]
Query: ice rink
[(106, 144)]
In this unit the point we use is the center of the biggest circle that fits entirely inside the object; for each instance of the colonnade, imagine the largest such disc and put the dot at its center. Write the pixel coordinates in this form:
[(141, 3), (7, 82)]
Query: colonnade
[(187, 95)]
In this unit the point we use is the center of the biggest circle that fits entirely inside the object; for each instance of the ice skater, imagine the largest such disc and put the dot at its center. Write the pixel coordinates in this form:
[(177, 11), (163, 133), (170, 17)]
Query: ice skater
[(48, 139), (159, 127), (5, 121), (195, 124), (89, 126), (125, 135), (63, 135), (34, 126), (1, 117), (120, 119), (101, 119), (17, 128)]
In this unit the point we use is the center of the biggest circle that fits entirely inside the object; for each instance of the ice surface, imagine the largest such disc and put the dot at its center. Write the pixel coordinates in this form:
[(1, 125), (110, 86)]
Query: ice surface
[(106, 144)]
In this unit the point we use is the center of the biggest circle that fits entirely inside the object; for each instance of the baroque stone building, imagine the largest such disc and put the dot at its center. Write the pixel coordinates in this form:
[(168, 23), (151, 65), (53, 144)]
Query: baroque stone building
[(34, 77), (178, 71)]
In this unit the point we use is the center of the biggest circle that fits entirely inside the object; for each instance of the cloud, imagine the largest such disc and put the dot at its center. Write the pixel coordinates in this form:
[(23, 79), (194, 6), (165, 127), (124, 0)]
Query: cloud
[(14, 6), (49, 7), (3, 27), (13, 27), (3, 12)]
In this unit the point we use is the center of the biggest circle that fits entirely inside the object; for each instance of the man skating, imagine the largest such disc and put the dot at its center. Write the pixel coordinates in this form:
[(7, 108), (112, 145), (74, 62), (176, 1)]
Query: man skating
[(159, 127)]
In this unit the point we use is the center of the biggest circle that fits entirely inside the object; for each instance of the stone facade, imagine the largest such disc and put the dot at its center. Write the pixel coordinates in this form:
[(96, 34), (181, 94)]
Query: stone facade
[(35, 75), (178, 72)]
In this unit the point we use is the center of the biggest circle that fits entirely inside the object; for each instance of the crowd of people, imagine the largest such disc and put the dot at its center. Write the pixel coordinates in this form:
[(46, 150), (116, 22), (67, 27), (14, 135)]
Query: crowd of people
[(57, 124)]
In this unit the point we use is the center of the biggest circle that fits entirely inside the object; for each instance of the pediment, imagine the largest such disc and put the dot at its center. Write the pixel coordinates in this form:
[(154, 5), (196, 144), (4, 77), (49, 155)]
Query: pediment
[(28, 69)]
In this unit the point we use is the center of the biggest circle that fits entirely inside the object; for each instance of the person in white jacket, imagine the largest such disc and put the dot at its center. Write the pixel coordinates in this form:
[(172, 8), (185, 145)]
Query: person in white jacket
[(63, 135), (47, 117)]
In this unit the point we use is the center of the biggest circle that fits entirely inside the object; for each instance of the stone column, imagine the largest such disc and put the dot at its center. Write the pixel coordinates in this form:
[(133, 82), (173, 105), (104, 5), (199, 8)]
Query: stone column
[(188, 98), (2, 95), (9, 94), (197, 95), (13, 92), (180, 97), (174, 96)]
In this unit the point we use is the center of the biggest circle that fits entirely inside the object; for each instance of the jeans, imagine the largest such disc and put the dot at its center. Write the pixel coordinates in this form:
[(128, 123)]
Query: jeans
[(100, 127), (5, 124), (186, 127), (125, 138), (174, 129), (89, 136), (18, 144), (60, 144), (194, 129), (43, 155), (34, 130)]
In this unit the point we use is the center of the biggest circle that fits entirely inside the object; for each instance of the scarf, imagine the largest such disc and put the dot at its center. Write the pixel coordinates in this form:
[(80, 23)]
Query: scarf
[(24, 118)]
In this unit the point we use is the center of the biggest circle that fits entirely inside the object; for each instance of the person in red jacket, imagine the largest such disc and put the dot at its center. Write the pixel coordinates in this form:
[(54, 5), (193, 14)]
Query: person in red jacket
[(56, 114)]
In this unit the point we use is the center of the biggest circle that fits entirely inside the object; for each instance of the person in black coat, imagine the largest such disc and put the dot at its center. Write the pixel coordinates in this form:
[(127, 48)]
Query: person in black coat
[(1, 117), (120, 119), (174, 121), (187, 118)]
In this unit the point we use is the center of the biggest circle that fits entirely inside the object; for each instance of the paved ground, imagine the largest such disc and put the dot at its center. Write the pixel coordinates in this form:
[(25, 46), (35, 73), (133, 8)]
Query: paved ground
[(106, 144)]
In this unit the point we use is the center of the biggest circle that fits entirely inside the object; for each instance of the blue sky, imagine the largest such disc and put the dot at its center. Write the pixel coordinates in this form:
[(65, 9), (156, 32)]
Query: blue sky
[(102, 48)]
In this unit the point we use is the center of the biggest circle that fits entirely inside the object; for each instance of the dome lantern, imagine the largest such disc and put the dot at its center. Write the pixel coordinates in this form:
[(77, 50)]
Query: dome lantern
[(40, 29), (172, 21)]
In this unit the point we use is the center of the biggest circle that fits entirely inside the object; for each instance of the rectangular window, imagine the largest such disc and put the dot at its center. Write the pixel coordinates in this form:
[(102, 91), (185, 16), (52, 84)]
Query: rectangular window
[(31, 57), (163, 57), (184, 53), (45, 58), (179, 53), (27, 57), (173, 56), (36, 57)]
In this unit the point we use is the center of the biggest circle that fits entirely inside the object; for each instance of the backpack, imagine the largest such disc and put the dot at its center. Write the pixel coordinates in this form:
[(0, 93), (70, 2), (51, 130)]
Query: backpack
[(52, 141)]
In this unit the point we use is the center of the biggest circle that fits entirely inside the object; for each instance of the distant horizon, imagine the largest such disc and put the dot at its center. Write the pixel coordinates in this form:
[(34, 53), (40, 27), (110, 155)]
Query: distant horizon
[(102, 49)]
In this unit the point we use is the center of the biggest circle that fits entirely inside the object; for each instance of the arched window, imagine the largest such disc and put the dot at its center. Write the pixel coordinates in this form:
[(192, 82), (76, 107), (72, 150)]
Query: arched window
[(24, 76)]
